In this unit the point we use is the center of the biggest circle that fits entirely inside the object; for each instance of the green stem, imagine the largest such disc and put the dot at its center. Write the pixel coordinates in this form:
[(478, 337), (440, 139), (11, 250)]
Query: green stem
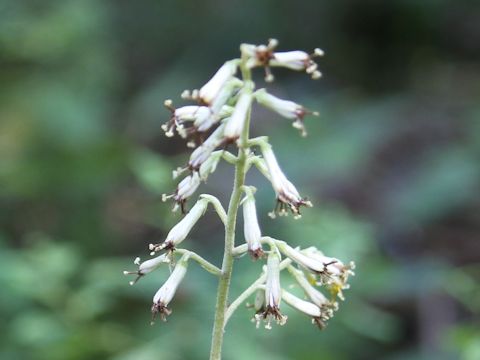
[(208, 266), (227, 264), (217, 206)]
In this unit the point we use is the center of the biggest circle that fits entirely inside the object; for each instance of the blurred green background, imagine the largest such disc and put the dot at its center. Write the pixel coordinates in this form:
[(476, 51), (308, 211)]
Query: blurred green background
[(392, 166)]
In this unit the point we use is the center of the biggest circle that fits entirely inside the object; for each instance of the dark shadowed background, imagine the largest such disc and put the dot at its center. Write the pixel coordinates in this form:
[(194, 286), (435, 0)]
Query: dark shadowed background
[(392, 166)]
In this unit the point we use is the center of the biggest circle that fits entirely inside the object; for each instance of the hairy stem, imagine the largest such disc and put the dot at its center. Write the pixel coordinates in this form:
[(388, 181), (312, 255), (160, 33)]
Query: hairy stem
[(227, 264)]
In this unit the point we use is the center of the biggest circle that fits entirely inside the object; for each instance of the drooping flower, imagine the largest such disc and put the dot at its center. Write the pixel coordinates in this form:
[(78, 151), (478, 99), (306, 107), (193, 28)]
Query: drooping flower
[(166, 292), (285, 108), (287, 194), (326, 306), (273, 294), (181, 230), (330, 271), (305, 307)]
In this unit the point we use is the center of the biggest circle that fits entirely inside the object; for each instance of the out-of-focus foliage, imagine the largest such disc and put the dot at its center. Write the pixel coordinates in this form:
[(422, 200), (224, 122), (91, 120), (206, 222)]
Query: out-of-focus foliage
[(392, 166)]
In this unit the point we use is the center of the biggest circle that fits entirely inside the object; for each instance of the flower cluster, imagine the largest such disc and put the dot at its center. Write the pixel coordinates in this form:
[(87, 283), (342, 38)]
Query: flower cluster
[(313, 270), (266, 56), (219, 119)]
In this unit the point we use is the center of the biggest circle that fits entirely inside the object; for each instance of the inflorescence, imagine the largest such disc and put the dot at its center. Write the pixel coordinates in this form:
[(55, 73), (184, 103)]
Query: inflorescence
[(215, 122)]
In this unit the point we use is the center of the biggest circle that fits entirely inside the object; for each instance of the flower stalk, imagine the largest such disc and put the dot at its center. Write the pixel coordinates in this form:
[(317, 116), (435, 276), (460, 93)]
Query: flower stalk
[(221, 117), (227, 263)]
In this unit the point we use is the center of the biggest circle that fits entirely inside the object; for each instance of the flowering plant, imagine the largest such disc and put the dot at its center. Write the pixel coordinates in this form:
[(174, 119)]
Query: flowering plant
[(221, 118)]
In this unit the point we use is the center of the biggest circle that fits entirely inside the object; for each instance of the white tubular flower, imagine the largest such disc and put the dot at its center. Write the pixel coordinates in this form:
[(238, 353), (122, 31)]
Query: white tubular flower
[(305, 307), (180, 231), (236, 123), (184, 190), (301, 305), (147, 266), (287, 109), (251, 229), (331, 272), (203, 152), (326, 306), (273, 294), (165, 294), (297, 60), (294, 60), (308, 263), (212, 88), (287, 194), (197, 115)]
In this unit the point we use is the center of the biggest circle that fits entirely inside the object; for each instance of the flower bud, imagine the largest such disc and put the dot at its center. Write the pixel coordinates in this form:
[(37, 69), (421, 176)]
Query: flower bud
[(287, 194), (251, 229), (211, 89), (165, 294), (236, 123)]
